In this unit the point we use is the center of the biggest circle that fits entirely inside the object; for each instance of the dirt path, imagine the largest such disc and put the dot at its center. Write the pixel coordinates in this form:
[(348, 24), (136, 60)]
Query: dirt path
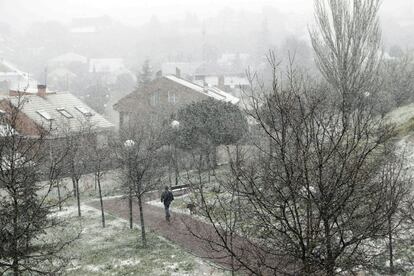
[(180, 230)]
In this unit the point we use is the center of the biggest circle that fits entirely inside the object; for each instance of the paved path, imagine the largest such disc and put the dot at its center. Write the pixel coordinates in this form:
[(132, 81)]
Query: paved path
[(180, 230)]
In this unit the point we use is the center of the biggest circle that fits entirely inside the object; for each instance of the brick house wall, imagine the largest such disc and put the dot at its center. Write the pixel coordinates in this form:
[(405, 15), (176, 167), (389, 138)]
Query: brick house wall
[(161, 97), (24, 125)]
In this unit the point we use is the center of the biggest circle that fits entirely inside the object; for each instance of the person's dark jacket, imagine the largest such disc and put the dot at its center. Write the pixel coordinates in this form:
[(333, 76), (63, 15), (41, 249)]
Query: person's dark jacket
[(167, 197)]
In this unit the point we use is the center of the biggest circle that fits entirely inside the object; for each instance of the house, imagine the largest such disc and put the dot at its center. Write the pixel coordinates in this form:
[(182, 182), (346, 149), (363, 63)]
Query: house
[(108, 69), (90, 25), (57, 113), (221, 75), (164, 96), (67, 59), (13, 78), (224, 77)]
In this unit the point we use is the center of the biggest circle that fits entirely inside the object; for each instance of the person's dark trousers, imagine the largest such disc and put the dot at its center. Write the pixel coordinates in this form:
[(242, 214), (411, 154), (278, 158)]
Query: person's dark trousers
[(167, 212)]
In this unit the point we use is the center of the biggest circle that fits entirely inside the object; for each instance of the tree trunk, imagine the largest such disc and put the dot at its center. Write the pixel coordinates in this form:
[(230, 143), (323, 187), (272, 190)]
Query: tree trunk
[(78, 197), (15, 267), (141, 216), (130, 209), (329, 262), (74, 187), (98, 181), (390, 246), (214, 159), (59, 195)]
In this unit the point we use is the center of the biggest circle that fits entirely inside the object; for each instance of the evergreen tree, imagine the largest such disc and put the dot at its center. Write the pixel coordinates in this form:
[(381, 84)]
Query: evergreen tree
[(145, 75)]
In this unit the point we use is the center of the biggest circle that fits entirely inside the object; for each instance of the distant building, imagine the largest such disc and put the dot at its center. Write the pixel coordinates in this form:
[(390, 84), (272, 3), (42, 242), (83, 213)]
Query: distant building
[(67, 59), (225, 78), (13, 78), (108, 69), (89, 25), (227, 73), (164, 96)]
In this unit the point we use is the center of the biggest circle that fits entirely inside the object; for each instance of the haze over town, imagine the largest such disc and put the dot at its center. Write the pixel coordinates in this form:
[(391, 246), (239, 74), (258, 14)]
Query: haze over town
[(206, 137)]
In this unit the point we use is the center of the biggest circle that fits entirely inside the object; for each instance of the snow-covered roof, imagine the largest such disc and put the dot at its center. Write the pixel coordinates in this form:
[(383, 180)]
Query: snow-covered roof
[(61, 73), (236, 81), (17, 79), (63, 110), (69, 58), (8, 67), (212, 92)]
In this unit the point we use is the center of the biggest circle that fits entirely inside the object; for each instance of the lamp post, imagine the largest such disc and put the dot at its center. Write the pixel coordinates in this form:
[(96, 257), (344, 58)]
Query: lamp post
[(129, 145), (175, 126)]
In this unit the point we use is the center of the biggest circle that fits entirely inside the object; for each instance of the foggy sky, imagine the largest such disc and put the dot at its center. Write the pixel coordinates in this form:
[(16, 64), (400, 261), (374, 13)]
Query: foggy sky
[(136, 12), (133, 12)]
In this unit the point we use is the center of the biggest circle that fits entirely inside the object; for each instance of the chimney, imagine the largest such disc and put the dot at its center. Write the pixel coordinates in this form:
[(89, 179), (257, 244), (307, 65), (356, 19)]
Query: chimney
[(177, 72), (41, 90)]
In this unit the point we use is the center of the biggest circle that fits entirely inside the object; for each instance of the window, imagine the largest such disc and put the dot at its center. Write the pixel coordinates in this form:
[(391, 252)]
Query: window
[(64, 112), (44, 115), (172, 99), (155, 98), (86, 112)]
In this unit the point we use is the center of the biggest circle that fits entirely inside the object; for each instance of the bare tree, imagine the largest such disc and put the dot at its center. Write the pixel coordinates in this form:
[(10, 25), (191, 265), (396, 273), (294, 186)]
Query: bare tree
[(138, 151), (347, 44), (395, 175), (398, 75), (56, 168), (80, 141), (309, 198), (101, 154), (313, 196)]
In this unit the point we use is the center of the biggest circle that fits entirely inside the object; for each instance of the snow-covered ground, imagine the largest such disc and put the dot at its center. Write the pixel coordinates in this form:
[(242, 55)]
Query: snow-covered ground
[(115, 250), (401, 115)]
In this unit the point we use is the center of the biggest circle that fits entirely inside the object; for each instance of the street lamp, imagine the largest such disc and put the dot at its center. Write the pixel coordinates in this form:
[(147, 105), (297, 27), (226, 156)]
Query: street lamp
[(128, 145), (175, 124)]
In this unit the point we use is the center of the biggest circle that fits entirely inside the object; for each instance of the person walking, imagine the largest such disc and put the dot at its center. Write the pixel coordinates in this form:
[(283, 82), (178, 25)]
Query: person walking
[(167, 197)]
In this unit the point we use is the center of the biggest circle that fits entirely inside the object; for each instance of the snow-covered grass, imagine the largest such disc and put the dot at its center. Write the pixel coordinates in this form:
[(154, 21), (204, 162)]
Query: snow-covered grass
[(110, 183), (401, 115), (403, 118), (117, 250)]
